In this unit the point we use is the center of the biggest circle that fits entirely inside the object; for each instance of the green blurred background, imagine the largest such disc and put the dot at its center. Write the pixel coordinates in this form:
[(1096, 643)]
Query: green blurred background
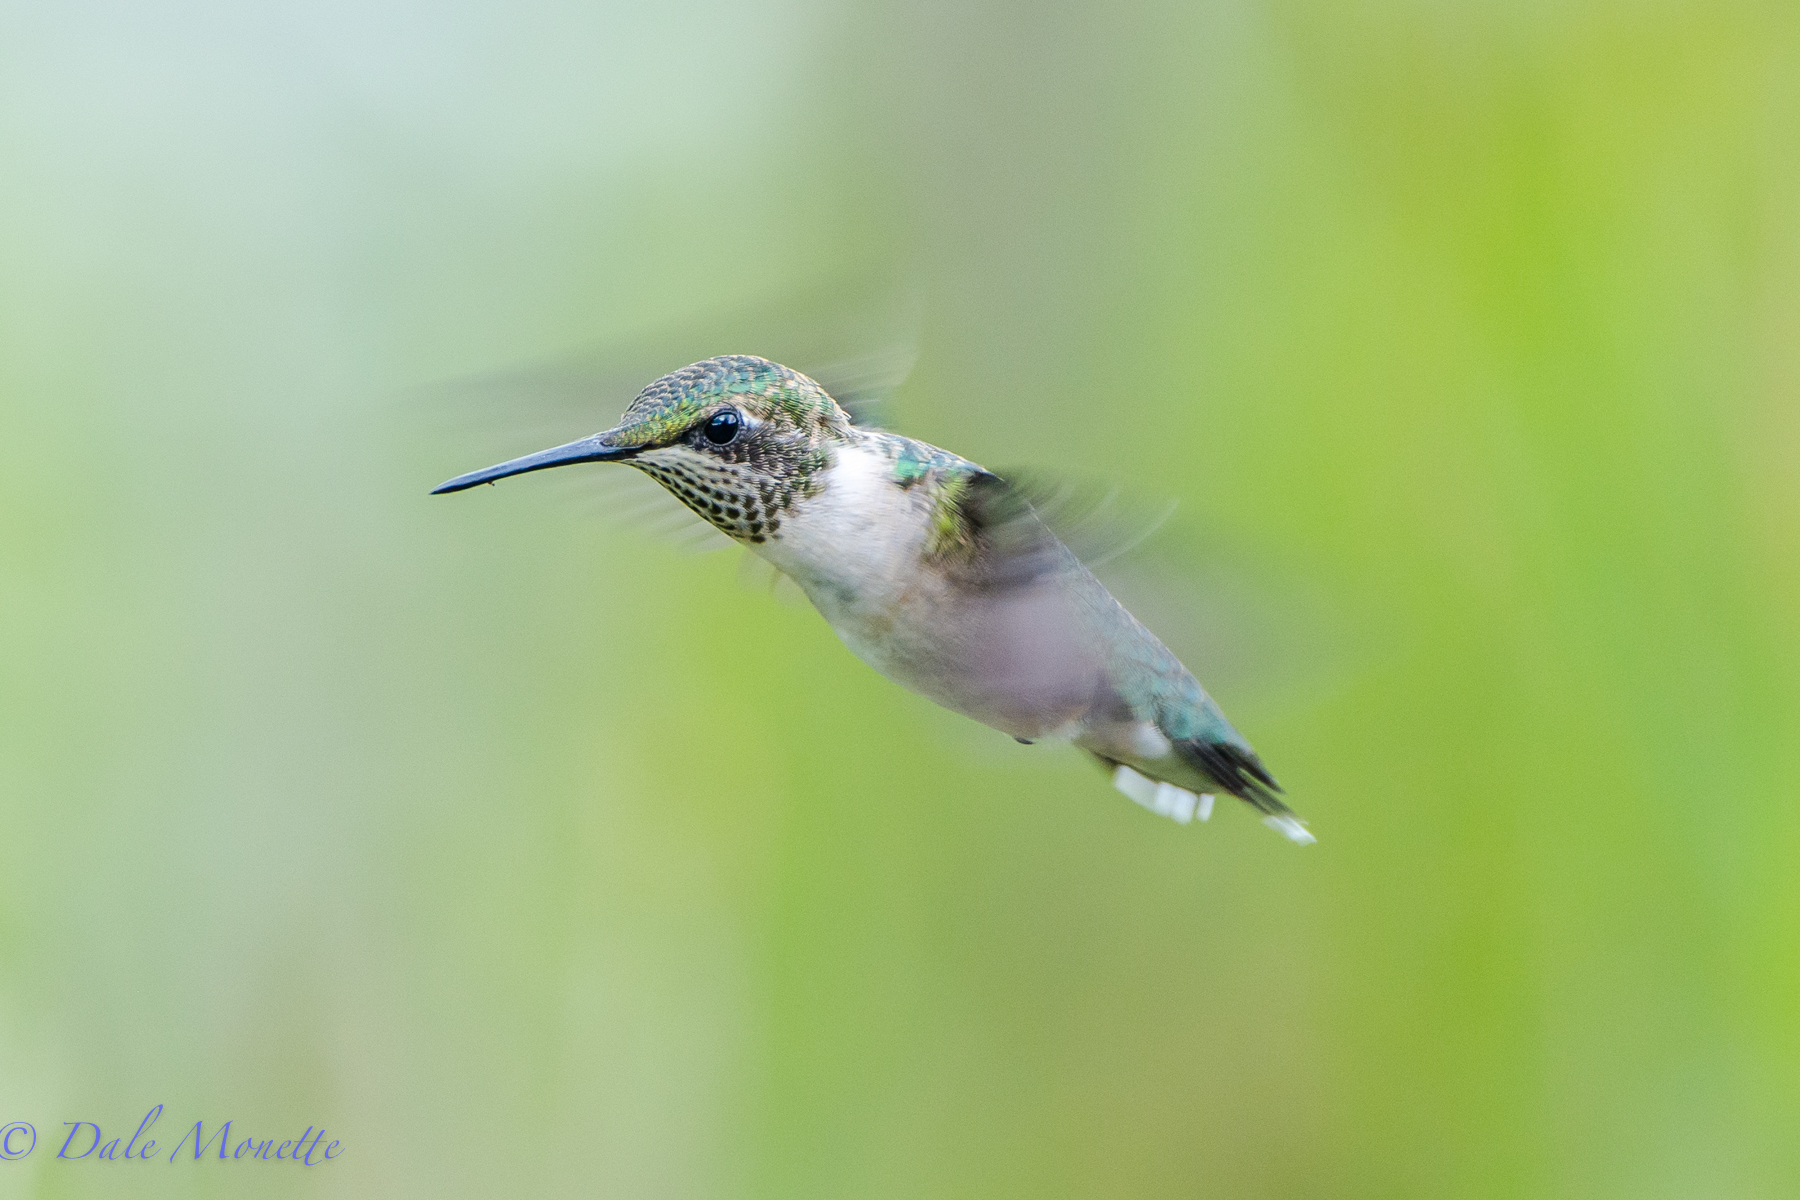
[(532, 857)]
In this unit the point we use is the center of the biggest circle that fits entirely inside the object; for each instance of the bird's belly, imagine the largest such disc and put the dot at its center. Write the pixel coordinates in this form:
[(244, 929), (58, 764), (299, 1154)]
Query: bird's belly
[(1012, 657), (1011, 661)]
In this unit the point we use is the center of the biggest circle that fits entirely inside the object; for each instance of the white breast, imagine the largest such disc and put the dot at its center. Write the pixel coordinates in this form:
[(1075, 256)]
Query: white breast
[(1006, 659), (857, 543), (855, 551)]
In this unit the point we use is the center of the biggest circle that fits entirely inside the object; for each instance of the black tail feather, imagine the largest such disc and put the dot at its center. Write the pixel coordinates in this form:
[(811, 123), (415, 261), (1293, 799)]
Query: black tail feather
[(1237, 770)]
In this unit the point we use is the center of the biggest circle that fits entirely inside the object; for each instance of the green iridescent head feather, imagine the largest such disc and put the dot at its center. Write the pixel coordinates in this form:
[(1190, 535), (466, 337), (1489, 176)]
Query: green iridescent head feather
[(769, 391)]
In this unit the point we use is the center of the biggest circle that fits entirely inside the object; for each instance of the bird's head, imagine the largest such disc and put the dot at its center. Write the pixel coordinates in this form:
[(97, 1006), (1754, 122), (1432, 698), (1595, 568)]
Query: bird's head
[(738, 439)]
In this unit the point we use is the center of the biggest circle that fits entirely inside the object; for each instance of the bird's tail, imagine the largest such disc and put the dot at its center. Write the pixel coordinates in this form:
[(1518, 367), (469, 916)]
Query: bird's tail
[(1236, 769), (1233, 767)]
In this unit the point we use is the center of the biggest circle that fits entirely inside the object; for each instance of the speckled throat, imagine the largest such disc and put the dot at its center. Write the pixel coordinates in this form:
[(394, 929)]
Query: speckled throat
[(744, 495)]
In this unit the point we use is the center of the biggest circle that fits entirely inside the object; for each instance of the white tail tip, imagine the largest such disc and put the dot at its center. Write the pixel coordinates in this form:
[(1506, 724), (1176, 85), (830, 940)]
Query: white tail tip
[(1136, 788), (1165, 799), (1182, 806), (1175, 802), (1290, 829)]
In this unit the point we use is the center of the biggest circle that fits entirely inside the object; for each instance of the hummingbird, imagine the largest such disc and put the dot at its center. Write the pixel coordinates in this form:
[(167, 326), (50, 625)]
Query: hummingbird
[(940, 574)]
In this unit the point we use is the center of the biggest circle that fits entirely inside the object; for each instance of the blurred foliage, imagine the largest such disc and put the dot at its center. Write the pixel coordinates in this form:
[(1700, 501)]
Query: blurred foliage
[(532, 858)]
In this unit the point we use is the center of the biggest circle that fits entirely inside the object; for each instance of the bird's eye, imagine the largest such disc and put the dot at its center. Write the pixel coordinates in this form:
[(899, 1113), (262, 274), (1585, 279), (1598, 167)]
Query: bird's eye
[(722, 430)]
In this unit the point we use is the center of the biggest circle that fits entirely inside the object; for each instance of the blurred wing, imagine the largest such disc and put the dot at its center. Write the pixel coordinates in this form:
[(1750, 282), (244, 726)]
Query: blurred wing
[(1095, 522), (1240, 621), (854, 336), (864, 386)]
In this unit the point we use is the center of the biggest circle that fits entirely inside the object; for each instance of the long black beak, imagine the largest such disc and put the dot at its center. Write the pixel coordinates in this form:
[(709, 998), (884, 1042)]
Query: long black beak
[(588, 449)]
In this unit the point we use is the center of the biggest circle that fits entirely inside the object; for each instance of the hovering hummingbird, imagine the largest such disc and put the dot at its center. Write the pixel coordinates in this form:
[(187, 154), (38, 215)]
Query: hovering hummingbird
[(938, 573)]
